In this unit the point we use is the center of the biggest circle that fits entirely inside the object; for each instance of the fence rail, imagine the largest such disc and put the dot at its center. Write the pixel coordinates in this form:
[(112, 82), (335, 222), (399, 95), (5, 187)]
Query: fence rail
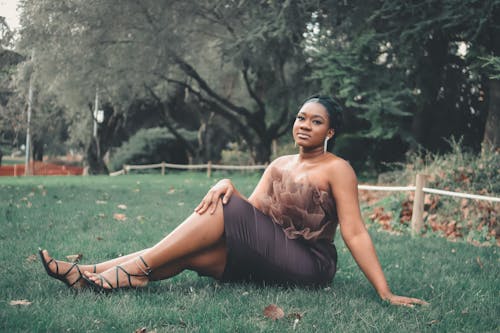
[(419, 188)]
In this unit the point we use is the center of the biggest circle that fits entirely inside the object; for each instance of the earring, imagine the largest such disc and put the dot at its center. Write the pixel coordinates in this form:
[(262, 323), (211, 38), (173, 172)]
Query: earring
[(325, 145), (295, 144)]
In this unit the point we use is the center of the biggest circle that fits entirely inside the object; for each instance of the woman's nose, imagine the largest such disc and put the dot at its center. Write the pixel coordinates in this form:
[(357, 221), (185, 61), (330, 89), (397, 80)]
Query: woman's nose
[(305, 125)]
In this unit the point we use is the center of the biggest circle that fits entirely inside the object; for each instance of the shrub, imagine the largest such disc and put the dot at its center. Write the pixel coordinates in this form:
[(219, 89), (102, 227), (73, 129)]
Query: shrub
[(152, 145), (458, 171)]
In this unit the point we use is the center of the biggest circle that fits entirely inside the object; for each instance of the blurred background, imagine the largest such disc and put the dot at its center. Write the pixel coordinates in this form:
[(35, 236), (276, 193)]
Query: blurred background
[(101, 83)]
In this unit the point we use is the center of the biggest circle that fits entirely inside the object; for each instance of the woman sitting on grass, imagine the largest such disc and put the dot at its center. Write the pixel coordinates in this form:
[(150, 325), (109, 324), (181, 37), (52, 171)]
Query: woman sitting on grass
[(282, 233)]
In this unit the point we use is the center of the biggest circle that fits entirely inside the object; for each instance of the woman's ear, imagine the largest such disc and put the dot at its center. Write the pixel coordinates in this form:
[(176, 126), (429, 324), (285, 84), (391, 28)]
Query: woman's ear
[(331, 133)]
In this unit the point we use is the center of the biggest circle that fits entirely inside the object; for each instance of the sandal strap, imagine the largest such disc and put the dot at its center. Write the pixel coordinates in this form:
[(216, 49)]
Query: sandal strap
[(147, 270)]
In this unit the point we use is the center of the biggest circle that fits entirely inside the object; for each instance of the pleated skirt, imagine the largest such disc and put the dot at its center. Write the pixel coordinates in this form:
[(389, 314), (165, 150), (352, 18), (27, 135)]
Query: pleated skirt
[(258, 250)]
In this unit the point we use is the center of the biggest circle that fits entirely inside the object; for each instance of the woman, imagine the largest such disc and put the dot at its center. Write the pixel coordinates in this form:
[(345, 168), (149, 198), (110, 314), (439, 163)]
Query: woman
[(282, 233)]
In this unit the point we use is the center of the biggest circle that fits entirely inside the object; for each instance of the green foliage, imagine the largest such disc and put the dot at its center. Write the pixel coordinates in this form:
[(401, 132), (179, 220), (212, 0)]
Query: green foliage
[(410, 71), (461, 171), (492, 65), (150, 146), (71, 215)]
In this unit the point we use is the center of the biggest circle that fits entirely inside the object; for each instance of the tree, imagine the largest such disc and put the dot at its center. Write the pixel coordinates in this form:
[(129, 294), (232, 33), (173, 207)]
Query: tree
[(242, 61), (402, 67), (491, 130), (10, 119)]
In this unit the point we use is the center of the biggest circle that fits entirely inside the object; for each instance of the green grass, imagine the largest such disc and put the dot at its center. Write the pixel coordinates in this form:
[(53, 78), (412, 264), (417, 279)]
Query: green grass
[(70, 215)]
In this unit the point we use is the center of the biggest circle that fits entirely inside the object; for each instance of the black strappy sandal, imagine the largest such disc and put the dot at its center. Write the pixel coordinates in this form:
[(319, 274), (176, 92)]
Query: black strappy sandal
[(100, 287), (57, 275)]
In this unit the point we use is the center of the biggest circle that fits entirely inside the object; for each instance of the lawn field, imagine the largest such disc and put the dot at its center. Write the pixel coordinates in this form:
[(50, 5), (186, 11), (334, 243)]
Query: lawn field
[(77, 215)]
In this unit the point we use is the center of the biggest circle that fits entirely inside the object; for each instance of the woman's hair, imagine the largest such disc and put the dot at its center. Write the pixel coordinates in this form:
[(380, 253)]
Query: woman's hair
[(334, 113)]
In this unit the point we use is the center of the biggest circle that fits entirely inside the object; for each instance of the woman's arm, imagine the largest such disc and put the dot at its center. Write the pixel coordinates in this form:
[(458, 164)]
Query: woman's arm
[(225, 189), (344, 188)]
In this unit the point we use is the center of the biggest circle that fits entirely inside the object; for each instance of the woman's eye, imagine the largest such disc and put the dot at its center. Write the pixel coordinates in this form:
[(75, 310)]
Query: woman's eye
[(317, 122), (300, 117)]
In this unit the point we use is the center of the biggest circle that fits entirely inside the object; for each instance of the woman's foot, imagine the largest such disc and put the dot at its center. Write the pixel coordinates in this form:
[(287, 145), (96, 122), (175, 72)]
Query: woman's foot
[(69, 273), (132, 274)]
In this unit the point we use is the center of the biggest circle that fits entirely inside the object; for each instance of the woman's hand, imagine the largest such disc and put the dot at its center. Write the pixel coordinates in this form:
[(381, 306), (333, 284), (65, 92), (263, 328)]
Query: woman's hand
[(223, 188), (403, 300)]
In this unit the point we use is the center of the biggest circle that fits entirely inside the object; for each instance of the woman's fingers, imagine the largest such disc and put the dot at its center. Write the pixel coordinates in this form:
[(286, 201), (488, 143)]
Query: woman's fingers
[(211, 200), (406, 301), (227, 195)]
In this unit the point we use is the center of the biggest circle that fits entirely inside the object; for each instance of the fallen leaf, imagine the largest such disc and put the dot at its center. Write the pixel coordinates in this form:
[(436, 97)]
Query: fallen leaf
[(74, 257), (99, 238), (20, 302), (140, 218), (432, 322), (180, 204), (122, 206), (273, 312), (141, 330), (101, 202), (478, 260), (32, 258), (119, 217)]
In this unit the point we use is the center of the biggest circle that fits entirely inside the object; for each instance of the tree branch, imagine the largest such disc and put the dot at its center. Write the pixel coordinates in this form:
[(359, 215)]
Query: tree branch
[(252, 93), (168, 121), (232, 118), (191, 72)]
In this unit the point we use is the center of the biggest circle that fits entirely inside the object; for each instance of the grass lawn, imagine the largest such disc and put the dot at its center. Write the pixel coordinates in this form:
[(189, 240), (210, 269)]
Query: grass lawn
[(70, 215)]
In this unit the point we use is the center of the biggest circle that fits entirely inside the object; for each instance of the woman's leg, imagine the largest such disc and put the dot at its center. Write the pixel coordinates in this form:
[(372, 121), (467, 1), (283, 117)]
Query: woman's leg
[(196, 234), (209, 262)]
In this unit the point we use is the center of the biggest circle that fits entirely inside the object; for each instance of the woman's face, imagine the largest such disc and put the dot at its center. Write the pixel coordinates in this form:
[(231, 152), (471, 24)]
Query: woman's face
[(311, 126)]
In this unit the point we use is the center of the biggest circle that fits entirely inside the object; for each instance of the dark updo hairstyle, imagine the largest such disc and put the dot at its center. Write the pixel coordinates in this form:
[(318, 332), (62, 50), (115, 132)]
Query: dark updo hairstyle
[(334, 114)]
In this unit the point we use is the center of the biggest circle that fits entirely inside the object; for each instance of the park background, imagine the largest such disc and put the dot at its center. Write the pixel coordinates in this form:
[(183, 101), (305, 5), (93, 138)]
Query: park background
[(99, 84)]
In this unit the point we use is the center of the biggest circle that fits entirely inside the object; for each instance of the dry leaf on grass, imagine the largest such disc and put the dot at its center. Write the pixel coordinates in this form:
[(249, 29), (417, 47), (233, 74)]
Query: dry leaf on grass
[(20, 302), (74, 257), (141, 330), (479, 262), (122, 206), (32, 258), (120, 217), (273, 312), (101, 202)]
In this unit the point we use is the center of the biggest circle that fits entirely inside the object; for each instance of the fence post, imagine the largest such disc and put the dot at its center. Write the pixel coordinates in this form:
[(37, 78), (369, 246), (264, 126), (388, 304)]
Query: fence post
[(417, 220), (124, 169), (163, 168), (209, 169)]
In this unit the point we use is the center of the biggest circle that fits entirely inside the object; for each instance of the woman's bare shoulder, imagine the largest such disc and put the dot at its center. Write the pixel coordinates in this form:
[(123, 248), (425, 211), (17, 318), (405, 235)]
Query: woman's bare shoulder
[(340, 169)]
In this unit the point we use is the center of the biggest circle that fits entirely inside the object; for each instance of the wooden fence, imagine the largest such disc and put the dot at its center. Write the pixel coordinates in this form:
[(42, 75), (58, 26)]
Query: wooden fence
[(417, 220)]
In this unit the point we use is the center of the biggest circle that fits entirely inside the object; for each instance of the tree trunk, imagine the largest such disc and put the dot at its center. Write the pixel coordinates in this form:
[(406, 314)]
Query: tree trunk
[(492, 128), (95, 159), (262, 151), (37, 152)]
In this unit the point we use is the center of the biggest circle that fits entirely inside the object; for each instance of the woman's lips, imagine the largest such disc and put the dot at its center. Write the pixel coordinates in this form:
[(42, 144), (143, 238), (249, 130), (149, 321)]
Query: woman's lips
[(303, 136)]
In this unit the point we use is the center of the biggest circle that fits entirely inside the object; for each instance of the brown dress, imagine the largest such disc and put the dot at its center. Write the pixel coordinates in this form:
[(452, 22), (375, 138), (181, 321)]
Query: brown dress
[(288, 242)]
